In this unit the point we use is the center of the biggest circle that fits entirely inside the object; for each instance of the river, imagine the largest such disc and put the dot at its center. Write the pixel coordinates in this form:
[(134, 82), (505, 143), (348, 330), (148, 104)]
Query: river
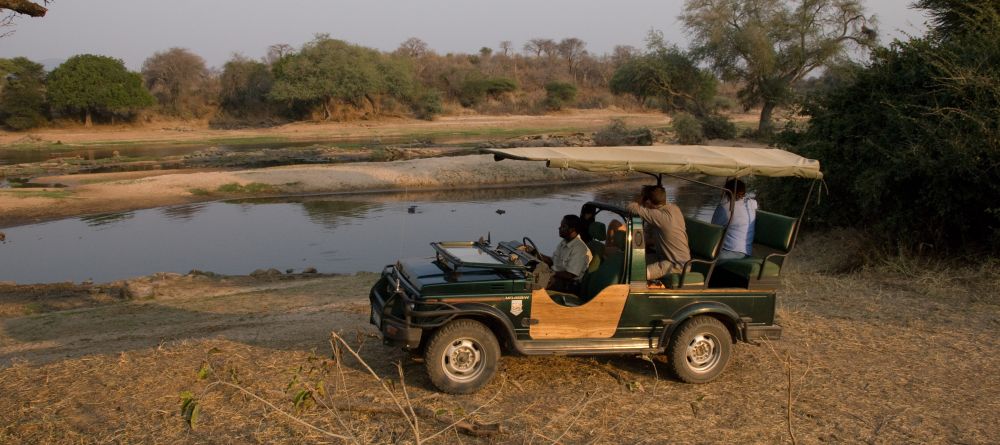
[(332, 233)]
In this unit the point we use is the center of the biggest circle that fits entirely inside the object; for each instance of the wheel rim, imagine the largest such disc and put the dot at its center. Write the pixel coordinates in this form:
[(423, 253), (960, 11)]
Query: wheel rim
[(463, 360), (703, 353)]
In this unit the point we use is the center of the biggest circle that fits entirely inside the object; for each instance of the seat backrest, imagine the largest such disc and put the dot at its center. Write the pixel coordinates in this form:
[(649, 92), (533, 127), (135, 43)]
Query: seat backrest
[(598, 230), (704, 239), (774, 230), (608, 273)]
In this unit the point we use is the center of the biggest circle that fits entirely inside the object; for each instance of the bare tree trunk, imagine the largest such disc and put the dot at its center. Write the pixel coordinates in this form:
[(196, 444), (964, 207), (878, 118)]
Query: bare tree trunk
[(327, 114), (766, 115), (87, 121)]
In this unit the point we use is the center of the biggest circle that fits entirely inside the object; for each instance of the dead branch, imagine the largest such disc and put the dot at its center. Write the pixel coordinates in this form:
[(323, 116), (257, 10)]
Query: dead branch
[(24, 7)]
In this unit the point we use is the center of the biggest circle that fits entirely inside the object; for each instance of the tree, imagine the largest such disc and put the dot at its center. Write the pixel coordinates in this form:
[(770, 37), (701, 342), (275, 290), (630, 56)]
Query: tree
[(276, 52), (669, 74), (244, 87), (572, 50), (22, 100), (179, 80), (768, 45), (413, 47), (910, 144), (328, 71), (90, 84)]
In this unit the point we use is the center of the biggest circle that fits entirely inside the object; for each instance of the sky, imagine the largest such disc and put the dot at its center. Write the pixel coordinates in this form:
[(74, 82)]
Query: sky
[(133, 30)]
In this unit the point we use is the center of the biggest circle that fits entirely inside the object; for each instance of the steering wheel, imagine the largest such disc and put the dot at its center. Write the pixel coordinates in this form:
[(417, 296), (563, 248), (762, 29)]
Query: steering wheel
[(528, 242)]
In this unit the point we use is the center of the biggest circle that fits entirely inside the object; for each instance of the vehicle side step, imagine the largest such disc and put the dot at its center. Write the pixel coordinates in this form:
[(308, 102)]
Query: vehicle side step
[(589, 346)]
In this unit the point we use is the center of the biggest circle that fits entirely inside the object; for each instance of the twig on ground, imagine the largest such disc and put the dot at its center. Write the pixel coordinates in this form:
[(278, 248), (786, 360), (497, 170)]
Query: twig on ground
[(410, 422), (406, 395)]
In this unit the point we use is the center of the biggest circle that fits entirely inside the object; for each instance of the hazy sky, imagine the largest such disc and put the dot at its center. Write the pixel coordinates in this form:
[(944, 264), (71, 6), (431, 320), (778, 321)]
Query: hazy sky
[(133, 30)]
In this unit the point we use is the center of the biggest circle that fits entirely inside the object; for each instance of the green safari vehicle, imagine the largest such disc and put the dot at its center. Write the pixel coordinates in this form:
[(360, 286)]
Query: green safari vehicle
[(475, 300)]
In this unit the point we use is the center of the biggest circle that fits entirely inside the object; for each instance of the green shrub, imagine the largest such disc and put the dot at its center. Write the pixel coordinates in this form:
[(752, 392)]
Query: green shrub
[(426, 104), (716, 126), (687, 129), (475, 91), (558, 94)]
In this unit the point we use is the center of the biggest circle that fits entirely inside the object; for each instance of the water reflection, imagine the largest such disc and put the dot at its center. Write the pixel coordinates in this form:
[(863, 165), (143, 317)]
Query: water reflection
[(334, 233), (105, 219)]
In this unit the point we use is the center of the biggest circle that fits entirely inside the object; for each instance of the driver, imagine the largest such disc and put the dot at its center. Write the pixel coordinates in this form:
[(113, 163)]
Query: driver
[(570, 260)]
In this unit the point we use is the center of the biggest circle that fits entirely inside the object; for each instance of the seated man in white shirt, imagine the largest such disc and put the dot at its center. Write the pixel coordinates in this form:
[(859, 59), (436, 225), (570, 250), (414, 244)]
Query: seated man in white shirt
[(571, 258)]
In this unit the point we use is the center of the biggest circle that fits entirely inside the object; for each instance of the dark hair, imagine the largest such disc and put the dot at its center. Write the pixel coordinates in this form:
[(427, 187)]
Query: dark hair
[(588, 209), (655, 194), (574, 222), (736, 187)]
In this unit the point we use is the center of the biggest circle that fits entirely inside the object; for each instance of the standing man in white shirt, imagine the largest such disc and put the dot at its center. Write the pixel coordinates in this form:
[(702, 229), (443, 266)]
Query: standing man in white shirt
[(571, 258)]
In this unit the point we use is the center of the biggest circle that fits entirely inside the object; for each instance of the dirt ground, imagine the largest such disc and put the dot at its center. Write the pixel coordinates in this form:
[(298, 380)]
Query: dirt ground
[(198, 131), (882, 351)]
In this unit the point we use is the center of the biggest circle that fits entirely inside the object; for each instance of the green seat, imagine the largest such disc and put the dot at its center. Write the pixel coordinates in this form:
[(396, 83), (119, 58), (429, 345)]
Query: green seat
[(750, 267), (609, 272), (704, 240), (598, 230), (774, 234)]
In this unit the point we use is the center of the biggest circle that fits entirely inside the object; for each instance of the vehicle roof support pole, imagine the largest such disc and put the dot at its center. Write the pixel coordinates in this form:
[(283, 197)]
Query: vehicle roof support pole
[(795, 236)]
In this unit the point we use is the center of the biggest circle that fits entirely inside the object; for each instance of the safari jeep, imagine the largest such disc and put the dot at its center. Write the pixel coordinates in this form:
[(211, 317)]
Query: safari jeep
[(474, 300)]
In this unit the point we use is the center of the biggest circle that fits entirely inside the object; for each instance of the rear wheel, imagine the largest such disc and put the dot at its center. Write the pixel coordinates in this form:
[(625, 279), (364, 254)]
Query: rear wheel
[(462, 357), (699, 351)]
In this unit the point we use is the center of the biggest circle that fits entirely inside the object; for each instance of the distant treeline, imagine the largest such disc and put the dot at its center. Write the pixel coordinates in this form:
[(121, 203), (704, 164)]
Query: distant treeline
[(336, 80)]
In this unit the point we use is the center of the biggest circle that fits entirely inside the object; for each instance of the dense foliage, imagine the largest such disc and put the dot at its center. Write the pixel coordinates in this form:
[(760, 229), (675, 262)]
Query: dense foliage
[(911, 147), (22, 97), (328, 73), (101, 85), (669, 75), (558, 94)]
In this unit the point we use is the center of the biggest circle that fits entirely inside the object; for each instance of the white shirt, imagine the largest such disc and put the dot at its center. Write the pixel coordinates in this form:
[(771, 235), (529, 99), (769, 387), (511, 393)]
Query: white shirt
[(739, 236), (572, 256)]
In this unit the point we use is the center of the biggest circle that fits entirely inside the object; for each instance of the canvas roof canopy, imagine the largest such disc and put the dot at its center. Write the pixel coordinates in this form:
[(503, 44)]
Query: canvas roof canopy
[(671, 159)]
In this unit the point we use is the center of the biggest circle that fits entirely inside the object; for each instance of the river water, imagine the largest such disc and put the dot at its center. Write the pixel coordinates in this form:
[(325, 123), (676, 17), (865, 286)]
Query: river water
[(332, 233)]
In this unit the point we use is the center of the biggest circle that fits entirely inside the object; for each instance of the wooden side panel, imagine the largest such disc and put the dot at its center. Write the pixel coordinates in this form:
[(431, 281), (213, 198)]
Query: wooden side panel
[(598, 318)]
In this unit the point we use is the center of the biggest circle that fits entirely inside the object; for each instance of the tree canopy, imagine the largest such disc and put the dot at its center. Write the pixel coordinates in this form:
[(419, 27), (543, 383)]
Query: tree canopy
[(22, 99), (768, 45), (97, 84), (178, 79), (327, 71), (668, 74)]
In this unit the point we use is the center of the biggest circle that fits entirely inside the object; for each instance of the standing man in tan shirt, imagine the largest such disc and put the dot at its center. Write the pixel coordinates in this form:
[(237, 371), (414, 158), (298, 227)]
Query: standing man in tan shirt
[(665, 231)]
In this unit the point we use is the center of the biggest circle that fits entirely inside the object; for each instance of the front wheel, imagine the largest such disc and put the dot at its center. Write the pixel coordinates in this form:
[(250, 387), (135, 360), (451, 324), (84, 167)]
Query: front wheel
[(699, 351), (462, 357)]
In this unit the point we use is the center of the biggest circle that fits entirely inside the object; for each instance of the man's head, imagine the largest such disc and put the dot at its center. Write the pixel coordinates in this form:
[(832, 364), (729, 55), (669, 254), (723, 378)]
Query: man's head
[(653, 196), (736, 187), (588, 212), (569, 227)]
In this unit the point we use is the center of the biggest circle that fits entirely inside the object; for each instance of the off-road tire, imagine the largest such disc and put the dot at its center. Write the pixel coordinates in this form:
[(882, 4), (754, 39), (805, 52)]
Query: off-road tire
[(699, 350), (462, 356)]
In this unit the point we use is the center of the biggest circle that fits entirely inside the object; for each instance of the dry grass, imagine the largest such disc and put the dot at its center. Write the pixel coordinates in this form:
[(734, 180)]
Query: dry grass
[(895, 351)]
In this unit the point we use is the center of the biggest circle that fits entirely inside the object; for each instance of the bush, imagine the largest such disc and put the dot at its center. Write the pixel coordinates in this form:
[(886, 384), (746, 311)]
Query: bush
[(475, 90), (687, 129), (426, 104), (716, 126), (558, 93), (618, 134)]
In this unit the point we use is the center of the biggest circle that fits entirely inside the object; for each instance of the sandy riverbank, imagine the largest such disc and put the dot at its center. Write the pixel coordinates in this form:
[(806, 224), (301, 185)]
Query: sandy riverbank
[(99, 193)]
